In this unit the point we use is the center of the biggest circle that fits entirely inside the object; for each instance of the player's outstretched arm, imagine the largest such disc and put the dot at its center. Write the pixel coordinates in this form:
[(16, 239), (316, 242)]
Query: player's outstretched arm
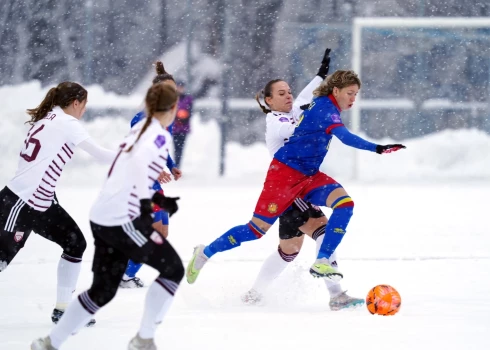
[(306, 95), (100, 153), (349, 139)]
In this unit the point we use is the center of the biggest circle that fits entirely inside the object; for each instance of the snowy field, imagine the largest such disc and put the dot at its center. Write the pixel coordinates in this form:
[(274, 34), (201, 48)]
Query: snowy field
[(429, 242), (420, 225)]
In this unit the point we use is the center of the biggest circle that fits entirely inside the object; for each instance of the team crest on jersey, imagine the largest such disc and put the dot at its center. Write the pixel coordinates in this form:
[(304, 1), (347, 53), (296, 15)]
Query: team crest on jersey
[(18, 236), (272, 208), (157, 238), (160, 141), (283, 119), (336, 118)]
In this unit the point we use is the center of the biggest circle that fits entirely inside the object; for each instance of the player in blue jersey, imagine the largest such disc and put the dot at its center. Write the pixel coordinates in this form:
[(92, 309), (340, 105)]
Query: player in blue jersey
[(294, 173), (130, 280)]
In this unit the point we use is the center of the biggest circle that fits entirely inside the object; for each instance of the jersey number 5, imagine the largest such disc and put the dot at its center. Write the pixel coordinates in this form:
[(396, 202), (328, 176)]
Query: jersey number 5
[(32, 140)]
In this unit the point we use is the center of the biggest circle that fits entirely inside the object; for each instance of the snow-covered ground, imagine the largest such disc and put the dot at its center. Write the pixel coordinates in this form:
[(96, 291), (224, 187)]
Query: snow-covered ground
[(429, 242), (419, 225)]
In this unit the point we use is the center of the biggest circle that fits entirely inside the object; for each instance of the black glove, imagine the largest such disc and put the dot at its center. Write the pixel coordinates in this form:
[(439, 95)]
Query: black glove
[(169, 204), (323, 71), (389, 148), (146, 210)]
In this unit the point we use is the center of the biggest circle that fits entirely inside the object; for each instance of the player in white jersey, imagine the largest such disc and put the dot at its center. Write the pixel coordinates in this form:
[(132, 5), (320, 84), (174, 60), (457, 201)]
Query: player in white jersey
[(121, 222), (282, 117), (28, 202)]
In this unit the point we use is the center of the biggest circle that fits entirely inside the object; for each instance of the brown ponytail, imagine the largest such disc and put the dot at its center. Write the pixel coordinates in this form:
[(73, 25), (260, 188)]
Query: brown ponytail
[(267, 92), (339, 79), (162, 74), (159, 98), (62, 95)]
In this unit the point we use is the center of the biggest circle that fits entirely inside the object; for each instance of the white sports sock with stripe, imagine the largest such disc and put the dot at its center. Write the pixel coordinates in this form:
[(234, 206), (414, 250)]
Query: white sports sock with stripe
[(68, 272), (74, 318), (158, 301), (272, 267), (333, 287)]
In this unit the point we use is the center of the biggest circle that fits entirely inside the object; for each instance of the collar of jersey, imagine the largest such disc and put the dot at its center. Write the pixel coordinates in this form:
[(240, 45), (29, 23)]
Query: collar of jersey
[(281, 113), (334, 101)]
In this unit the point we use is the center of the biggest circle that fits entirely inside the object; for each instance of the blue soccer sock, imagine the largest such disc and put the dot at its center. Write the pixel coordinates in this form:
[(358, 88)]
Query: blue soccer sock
[(233, 238), (132, 269), (336, 226)]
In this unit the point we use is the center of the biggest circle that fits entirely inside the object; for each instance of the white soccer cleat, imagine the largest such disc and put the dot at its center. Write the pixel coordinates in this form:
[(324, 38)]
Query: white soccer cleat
[(344, 301), (137, 343), (134, 282), (252, 297), (42, 344), (196, 264)]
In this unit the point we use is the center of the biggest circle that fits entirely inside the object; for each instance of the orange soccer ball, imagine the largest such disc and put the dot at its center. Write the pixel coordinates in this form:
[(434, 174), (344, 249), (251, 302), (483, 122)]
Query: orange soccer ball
[(383, 300)]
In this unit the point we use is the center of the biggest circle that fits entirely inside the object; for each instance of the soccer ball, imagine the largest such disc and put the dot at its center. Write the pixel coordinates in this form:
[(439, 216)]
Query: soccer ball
[(383, 300)]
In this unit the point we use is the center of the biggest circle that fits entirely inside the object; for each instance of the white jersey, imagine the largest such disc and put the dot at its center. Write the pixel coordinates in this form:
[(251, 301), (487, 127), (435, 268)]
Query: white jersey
[(280, 126), (48, 147), (132, 175)]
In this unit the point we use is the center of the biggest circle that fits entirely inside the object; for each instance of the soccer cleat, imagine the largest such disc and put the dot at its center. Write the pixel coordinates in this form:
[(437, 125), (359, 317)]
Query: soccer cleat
[(57, 313), (134, 282), (252, 297), (344, 301), (195, 265), (137, 343), (322, 268), (42, 344)]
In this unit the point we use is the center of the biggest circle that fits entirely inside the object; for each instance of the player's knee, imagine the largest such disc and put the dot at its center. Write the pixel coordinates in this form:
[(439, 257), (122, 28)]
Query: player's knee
[(287, 257), (345, 203), (252, 232), (102, 296), (173, 270), (76, 245)]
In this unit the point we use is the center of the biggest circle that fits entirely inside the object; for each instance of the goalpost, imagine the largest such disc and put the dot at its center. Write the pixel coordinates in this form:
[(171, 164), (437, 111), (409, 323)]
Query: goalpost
[(361, 23)]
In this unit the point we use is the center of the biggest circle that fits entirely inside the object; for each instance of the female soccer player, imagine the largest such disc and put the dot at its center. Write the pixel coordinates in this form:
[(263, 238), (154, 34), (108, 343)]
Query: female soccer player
[(121, 223), (294, 173), (28, 202), (130, 280), (282, 118)]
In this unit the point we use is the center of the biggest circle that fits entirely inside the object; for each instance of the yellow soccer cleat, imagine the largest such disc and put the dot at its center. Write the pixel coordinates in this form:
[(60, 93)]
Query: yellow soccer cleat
[(322, 268), (195, 265)]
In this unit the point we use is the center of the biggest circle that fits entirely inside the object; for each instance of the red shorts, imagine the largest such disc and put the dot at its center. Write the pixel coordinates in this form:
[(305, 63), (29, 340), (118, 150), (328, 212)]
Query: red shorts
[(282, 185)]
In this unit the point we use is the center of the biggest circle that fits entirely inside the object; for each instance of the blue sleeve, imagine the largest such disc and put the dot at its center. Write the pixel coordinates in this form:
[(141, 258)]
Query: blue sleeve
[(137, 118), (170, 163), (162, 216), (352, 140), (156, 186), (170, 127)]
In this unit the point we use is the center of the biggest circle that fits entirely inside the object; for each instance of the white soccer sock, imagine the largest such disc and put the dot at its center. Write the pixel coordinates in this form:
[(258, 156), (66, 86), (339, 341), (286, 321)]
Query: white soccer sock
[(333, 287), (68, 272), (272, 267), (158, 300), (75, 317)]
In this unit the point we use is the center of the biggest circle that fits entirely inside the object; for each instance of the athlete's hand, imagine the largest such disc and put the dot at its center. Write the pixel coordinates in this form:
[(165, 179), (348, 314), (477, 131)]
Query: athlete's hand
[(164, 177), (169, 204), (325, 66), (177, 173), (389, 148)]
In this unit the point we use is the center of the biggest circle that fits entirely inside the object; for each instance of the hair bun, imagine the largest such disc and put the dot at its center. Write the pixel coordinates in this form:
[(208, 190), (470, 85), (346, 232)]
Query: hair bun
[(159, 67)]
